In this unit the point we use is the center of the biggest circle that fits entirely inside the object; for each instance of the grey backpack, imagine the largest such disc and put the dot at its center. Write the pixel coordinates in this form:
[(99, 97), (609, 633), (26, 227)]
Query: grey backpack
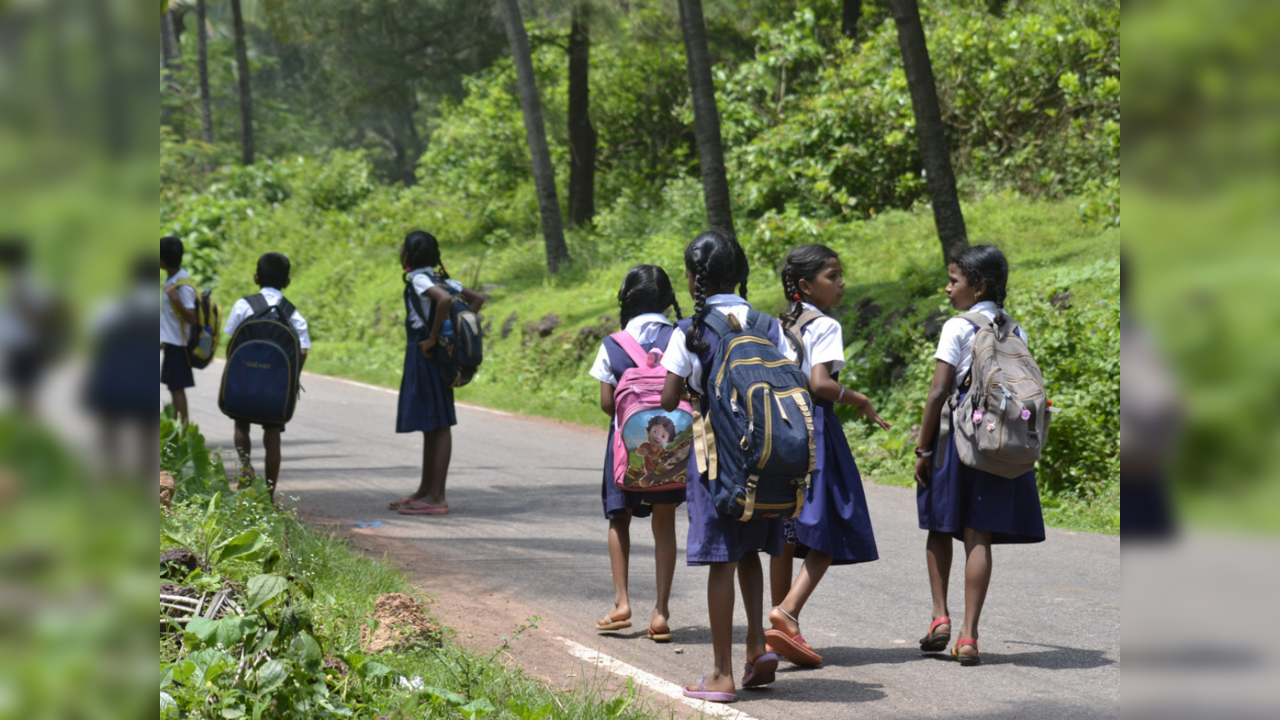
[(1003, 423)]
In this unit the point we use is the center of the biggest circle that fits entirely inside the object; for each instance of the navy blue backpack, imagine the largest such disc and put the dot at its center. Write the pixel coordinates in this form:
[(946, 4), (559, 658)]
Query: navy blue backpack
[(758, 449), (460, 350), (260, 382)]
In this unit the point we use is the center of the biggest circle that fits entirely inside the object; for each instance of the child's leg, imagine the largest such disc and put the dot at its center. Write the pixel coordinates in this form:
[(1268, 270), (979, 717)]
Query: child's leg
[(811, 572), (179, 397), (428, 465), (938, 555), (442, 439), (271, 447), (780, 569), (751, 580), (664, 558), (619, 557), (244, 448), (977, 577), (720, 606)]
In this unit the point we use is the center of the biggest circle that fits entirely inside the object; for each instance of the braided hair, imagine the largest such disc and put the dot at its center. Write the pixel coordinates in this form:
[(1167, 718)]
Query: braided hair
[(645, 289), (803, 263), (716, 261), (421, 250), (985, 264)]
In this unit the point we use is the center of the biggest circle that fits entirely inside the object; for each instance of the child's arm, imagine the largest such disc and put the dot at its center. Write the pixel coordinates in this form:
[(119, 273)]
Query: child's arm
[(441, 300), (821, 384), (606, 398), (672, 391), (474, 299), (302, 359), (944, 374), (188, 314)]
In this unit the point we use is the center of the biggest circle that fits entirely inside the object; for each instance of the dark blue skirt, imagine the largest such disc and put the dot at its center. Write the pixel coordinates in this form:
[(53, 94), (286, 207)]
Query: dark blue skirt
[(959, 497), (618, 501), (426, 404), (715, 538), (834, 519)]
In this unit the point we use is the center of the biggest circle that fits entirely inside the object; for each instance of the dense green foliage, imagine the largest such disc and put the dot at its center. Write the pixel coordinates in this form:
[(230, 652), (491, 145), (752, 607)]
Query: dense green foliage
[(295, 651)]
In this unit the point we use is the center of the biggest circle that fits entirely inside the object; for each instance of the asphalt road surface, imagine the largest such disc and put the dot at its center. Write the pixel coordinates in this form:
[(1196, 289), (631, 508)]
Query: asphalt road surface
[(526, 525)]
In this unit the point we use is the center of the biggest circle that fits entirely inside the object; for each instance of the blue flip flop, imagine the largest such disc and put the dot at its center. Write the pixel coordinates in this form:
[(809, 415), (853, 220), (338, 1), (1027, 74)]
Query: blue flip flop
[(702, 693)]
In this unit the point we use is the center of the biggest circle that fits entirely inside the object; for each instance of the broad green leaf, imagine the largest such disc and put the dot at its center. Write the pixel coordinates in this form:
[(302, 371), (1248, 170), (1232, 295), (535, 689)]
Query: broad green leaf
[(167, 704), (271, 560), (524, 712), (305, 648), (202, 629), (247, 545), (166, 677), (263, 588), (373, 669), (230, 631), (445, 696), (477, 708), (183, 671), (272, 675), (266, 641)]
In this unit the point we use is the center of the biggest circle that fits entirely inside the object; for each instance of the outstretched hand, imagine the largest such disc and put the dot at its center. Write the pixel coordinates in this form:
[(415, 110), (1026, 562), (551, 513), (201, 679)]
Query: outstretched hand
[(869, 413)]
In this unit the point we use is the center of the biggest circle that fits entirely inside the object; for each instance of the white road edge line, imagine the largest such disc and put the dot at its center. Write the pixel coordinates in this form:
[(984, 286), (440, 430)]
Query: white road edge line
[(650, 681)]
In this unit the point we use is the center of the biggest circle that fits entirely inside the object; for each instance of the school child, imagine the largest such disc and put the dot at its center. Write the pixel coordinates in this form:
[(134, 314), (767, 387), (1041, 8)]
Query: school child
[(976, 507), (643, 299), (833, 527), (177, 315), (426, 402), (715, 265), (272, 278)]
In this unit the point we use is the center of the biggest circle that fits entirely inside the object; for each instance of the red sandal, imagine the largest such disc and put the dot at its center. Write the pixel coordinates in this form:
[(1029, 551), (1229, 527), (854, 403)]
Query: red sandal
[(966, 660), (936, 642)]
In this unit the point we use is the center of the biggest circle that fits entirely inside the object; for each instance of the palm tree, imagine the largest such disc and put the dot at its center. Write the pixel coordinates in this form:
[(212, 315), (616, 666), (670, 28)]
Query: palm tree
[(706, 119), (544, 175), (931, 136), (242, 70), (582, 136), (202, 34)]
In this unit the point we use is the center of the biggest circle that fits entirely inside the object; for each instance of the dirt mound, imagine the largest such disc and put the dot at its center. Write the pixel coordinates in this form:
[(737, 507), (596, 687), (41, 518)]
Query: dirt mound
[(401, 622), (178, 563)]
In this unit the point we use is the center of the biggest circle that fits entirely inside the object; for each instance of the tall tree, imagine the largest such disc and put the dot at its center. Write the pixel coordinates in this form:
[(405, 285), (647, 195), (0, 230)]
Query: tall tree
[(706, 118), (931, 136), (242, 70), (169, 57), (202, 63), (544, 175), (582, 136), (850, 14)]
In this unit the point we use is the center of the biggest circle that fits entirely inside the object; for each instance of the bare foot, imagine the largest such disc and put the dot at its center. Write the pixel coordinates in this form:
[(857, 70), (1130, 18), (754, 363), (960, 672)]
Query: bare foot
[(782, 623), (715, 682), (659, 623), (617, 619)]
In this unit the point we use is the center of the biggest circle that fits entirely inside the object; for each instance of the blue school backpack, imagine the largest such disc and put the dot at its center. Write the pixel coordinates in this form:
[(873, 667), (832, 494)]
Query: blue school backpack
[(260, 382), (758, 449), (460, 346)]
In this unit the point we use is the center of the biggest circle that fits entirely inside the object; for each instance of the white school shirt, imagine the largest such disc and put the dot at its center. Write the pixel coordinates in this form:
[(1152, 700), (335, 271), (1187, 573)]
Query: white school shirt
[(680, 361), (955, 346), (424, 279), (644, 328), (171, 330), (241, 312), (823, 341)]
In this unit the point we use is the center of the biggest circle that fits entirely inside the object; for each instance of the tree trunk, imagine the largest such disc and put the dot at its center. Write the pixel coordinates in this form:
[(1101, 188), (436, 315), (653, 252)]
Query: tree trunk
[(849, 17), (202, 36), (996, 7), (582, 136), (169, 55), (242, 69), (931, 136), (706, 119), (544, 176)]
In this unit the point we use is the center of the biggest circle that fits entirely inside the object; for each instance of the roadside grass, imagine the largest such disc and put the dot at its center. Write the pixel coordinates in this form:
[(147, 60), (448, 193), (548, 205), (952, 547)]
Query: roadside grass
[(339, 588), (894, 283)]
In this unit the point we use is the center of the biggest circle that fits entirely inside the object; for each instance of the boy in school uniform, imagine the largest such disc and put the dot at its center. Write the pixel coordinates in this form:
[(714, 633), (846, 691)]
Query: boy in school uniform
[(272, 277), (177, 314)]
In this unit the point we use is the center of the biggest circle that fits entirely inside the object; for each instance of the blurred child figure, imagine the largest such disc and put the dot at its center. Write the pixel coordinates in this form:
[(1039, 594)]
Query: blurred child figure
[(177, 315), (643, 300), (272, 278), (834, 526), (32, 324)]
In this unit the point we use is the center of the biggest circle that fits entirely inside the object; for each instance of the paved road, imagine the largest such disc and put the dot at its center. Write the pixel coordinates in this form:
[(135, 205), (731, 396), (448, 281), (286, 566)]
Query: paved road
[(526, 525)]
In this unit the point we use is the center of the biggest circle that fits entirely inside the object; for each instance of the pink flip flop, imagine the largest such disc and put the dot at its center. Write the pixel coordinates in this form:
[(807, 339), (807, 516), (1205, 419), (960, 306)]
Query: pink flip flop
[(702, 693), (417, 507), (761, 672)]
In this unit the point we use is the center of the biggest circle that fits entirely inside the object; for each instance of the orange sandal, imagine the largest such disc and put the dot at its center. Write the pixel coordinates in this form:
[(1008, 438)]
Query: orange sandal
[(966, 660), (936, 642)]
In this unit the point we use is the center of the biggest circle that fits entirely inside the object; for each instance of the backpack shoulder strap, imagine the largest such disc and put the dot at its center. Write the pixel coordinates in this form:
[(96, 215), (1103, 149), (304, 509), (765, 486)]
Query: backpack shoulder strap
[(630, 347), (286, 309), (663, 338), (411, 293), (976, 319), (257, 303), (803, 321), (717, 322)]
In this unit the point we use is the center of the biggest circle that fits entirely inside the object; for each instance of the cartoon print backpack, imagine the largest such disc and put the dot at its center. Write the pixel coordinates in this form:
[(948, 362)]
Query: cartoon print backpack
[(758, 449), (460, 346), (1003, 423), (202, 341), (651, 446), (260, 381)]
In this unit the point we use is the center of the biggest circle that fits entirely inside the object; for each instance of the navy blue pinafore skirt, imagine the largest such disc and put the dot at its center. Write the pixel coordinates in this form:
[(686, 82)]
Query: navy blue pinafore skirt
[(426, 403)]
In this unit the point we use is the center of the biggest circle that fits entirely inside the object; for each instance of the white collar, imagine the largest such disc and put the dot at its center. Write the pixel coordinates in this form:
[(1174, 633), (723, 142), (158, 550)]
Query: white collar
[(985, 305), (809, 306), (726, 299), (267, 288), (422, 270), (182, 273), (636, 323)]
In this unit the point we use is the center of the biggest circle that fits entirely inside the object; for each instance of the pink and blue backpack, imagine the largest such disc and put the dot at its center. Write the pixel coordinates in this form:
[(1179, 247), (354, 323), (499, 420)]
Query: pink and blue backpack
[(651, 446)]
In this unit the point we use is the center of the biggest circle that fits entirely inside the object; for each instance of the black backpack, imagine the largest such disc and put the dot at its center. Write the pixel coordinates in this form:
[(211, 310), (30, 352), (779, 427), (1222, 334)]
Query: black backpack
[(260, 382), (458, 354), (758, 448)]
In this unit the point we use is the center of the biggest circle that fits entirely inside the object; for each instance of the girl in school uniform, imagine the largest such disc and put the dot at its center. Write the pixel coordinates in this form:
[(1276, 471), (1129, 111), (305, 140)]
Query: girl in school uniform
[(715, 265), (834, 527), (644, 298), (426, 403), (955, 501)]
